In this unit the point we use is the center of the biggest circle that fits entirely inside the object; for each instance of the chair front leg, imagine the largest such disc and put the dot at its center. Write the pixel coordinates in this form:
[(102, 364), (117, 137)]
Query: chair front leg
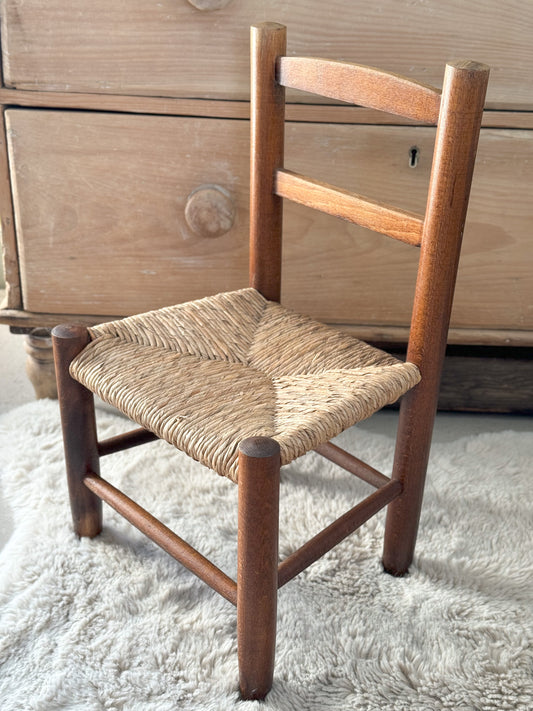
[(76, 405), (257, 577)]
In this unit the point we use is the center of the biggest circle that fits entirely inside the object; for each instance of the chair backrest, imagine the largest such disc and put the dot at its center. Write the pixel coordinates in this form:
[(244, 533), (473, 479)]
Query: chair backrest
[(456, 110)]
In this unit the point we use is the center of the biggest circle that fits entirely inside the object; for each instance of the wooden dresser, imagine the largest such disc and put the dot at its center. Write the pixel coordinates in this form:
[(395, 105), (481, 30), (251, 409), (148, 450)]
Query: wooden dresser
[(125, 167)]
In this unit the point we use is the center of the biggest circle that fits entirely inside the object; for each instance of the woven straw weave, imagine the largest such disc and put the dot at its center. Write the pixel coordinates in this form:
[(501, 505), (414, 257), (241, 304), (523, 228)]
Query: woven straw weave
[(206, 374)]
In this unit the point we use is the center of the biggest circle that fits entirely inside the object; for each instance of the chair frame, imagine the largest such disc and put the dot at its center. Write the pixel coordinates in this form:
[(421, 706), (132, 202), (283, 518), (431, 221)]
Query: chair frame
[(438, 233)]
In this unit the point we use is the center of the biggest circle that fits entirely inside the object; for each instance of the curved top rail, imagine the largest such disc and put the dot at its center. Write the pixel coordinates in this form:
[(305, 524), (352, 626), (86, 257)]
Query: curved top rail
[(361, 85)]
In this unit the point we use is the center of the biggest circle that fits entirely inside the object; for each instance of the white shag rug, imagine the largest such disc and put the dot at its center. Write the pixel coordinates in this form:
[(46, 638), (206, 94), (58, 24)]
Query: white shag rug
[(115, 623)]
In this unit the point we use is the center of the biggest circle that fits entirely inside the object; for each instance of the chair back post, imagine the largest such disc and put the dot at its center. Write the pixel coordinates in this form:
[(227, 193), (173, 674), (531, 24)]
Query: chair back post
[(463, 97), (267, 113)]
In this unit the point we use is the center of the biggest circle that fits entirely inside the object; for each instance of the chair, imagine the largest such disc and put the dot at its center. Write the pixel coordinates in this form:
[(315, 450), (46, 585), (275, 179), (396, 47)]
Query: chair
[(244, 385)]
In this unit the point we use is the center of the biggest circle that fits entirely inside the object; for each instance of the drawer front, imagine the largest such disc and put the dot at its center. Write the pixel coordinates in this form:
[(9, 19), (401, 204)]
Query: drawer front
[(110, 220), (170, 48), (100, 205)]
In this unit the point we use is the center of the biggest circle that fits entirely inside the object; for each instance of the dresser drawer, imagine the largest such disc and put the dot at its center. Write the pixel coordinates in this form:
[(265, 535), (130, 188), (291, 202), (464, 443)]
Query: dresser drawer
[(171, 48), (494, 285), (100, 209), (110, 219)]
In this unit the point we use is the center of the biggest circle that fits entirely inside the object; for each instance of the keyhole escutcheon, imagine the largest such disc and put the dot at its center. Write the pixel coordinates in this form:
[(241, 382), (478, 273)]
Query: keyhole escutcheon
[(414, 154)]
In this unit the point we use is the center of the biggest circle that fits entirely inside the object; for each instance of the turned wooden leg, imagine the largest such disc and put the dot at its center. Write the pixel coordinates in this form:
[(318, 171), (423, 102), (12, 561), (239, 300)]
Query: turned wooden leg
[(257, 578), (415, 428), (76, 405), (40, 363)]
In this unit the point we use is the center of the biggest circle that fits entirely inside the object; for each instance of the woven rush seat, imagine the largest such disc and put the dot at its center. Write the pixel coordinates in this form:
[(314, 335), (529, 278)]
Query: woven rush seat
[(207, 374)]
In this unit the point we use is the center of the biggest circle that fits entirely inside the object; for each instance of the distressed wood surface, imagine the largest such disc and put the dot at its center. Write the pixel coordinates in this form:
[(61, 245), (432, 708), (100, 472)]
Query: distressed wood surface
[(107, 195), (484, 379), (40, 363), (482, 382), (209, 211), (170, 48), (212, 108), (63, 178), (13, 296), (381, 334)]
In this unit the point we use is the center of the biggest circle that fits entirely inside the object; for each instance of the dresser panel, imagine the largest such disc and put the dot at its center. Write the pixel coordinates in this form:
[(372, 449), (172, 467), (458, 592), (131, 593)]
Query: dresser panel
[(114, 212), (170, 48)]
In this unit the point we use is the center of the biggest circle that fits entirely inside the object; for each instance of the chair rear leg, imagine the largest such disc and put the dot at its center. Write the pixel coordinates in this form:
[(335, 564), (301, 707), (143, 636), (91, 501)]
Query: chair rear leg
[(76, 405), (415, 428), (257, 577)]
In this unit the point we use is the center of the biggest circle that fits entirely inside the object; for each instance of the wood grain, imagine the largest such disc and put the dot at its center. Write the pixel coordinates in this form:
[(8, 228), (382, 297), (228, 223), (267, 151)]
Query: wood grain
[(336, 532), (163, 536), (169, 48), (257, 569), (361, 85), (352, 464), (212, 108), (481, 379), (399, 224), (267, 135), (13, 295), (485, 382), (133, 438), (494, 286), (463, 97), (78, 423), (111, 190), (209, 211), (150, 164), (23, 321), (40, 367)]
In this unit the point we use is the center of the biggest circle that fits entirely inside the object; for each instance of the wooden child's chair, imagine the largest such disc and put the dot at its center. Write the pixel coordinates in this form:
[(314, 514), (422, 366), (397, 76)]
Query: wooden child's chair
[(244, 385)]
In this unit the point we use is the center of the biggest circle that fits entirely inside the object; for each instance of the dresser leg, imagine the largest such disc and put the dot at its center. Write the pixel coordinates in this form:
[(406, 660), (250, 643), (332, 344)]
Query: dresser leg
[(40, 363)]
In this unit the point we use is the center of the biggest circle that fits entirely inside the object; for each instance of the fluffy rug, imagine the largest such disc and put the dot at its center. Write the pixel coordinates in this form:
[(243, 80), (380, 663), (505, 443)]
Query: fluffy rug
[(114, 623)]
